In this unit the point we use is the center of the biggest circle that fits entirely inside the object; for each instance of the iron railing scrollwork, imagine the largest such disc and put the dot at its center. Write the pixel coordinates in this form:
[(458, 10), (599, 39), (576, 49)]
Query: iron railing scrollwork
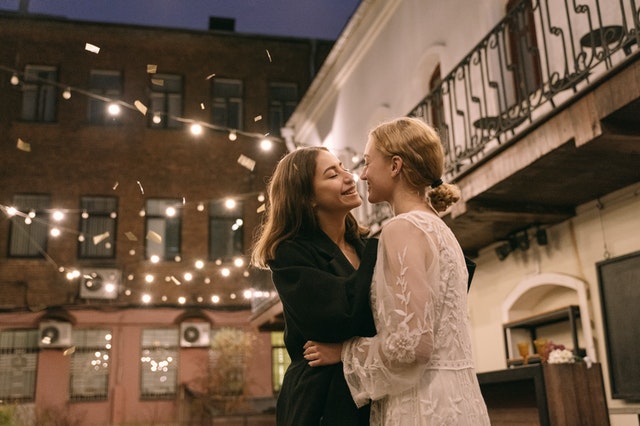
[(535, 59)]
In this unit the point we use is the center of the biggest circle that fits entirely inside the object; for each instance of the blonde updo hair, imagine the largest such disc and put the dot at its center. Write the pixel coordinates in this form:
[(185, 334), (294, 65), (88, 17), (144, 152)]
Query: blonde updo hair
[(420, 148)]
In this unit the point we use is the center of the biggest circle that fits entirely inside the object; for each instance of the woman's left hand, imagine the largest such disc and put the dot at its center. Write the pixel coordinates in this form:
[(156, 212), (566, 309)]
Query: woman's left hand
[(319, 354)]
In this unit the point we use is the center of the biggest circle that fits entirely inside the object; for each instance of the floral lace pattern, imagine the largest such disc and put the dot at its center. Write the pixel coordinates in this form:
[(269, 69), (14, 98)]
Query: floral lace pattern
[(418, 369)]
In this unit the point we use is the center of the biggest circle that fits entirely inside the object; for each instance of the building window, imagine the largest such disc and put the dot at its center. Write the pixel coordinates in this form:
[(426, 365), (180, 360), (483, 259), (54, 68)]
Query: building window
[(226, 236), (18, 362), (98, 227), (163, 228), (227, 103), (105, 85), (166, 101), (39, 93), (90, 365), (279, 360), (159, 363), (283, 98), (29, 226), (523, 48)]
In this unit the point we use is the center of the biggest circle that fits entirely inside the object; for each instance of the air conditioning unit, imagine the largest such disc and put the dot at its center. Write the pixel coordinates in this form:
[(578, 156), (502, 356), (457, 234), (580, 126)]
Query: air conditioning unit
[(100, 283), (194, 334), (54, 334)]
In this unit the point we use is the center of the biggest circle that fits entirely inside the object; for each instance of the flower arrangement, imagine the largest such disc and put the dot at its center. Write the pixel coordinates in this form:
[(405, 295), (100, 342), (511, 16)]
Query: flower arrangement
[(561, 356), (557, 353)]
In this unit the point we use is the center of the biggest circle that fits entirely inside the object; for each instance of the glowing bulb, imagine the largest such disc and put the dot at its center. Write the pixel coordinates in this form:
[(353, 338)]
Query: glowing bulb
[(148, 278), (188, 276), (248, 294), (170, 211), (67, 93), (182, 300), (199, 264), (230, 203), (266, 145), (154, 258), (200, 207), (146, 298), (157, 119), (233, 135), (11, 211), (215, 298), (225, 272), (55, 232), (15, 80), (58, 215), (196, 129), (113, 109), (85, 215), (238, 261), (261, 198), (27, 220)]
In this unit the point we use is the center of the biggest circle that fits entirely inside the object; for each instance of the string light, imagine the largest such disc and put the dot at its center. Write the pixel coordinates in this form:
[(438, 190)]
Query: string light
[(114, 108), (157, 118)]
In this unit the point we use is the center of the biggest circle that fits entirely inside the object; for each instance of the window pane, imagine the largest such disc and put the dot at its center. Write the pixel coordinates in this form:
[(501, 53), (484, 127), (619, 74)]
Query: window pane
[(226, 230), (18, 362), (283, 98), (227, 102), (29, 228), (90, 365), (98, 218), (39, 94), (165, 101), (164, 228), (279, 359), (159, 363), (106, 84)]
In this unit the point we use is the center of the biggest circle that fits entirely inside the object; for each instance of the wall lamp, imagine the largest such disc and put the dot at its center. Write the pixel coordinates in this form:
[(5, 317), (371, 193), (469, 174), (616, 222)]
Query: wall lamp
[(520, 240)]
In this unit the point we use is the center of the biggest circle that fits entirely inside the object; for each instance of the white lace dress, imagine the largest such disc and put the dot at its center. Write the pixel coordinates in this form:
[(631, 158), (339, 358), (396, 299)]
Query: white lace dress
[(418, 369)]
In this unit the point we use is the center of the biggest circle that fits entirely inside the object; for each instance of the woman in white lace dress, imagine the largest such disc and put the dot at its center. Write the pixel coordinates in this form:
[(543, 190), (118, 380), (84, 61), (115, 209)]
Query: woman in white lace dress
[(418, 369)]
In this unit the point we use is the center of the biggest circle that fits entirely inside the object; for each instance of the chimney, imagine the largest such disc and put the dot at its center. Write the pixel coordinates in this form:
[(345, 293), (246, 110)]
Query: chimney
[(23, 8), (222, 24)]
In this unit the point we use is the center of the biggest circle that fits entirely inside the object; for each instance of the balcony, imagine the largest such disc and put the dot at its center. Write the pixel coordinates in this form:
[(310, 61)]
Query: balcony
[(541, 116)]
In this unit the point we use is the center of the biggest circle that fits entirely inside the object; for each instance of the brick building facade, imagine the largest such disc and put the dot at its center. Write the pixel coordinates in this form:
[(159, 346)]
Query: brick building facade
[(114, 179)]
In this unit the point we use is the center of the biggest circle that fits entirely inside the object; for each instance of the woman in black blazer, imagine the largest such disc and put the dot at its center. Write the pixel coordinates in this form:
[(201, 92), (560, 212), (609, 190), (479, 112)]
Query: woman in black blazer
[(321, 263)]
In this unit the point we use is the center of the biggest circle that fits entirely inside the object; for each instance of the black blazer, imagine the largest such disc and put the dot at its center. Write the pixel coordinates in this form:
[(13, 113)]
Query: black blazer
[(323, 299)]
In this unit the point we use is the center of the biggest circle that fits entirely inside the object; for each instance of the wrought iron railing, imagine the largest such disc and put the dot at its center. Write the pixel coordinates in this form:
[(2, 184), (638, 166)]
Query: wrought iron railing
[(538, 57)]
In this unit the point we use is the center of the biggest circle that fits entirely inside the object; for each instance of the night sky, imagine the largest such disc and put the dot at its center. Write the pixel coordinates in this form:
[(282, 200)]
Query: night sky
[(323, 19)]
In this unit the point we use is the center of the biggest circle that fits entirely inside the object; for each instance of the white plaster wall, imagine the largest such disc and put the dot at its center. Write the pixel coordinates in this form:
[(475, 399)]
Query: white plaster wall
[(575, 247), (386, 65)]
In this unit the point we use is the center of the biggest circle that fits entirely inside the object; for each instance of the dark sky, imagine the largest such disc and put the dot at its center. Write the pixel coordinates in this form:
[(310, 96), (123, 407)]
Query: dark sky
[(323, 19)]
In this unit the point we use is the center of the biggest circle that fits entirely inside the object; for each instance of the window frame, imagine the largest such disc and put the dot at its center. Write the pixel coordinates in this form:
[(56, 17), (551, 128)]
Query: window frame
[(226, 103), (175, 224), (29, 350), (218, 220), (41, 207), (40, 94), (97, 105), (281, 105), (85, 228), (167, 341), (80, 337), (170, 97)]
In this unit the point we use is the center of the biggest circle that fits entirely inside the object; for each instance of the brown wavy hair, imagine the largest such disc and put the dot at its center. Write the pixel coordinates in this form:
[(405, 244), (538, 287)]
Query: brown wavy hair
[(289, 209)]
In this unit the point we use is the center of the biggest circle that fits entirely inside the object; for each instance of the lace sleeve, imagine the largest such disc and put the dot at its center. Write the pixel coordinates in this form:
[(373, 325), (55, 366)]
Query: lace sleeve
[(404, 290)]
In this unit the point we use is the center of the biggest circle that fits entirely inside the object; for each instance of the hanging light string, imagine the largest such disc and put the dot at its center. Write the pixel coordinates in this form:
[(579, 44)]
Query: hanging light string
[(17, 77)]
